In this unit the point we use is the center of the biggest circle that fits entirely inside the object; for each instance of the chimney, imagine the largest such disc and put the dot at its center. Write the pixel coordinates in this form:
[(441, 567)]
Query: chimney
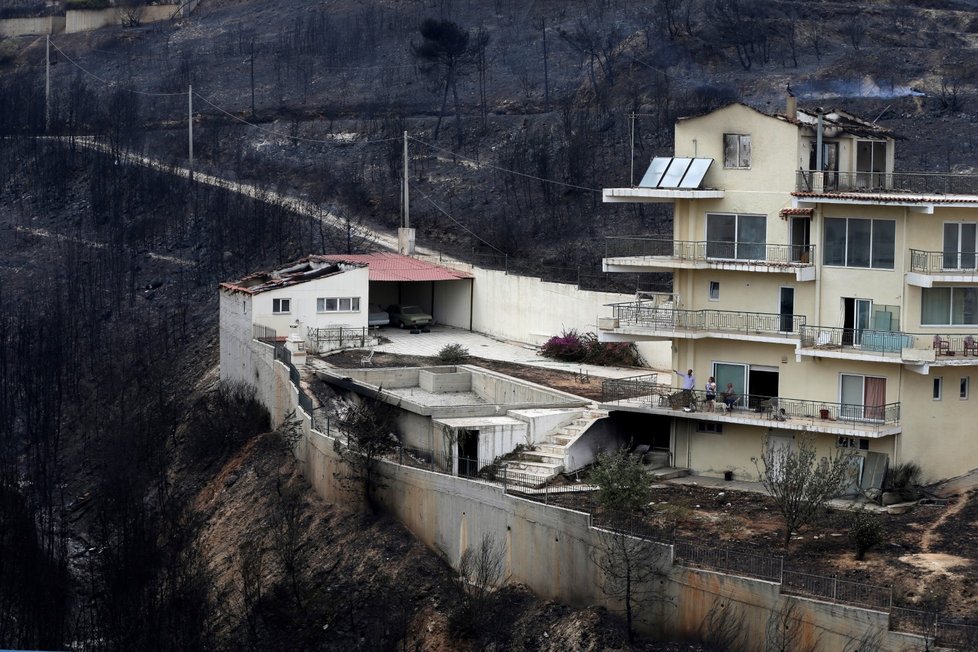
[(791, 108)]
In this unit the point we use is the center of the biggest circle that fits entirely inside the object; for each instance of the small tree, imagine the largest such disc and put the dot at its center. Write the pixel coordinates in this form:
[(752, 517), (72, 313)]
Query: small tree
[(623, 485), (630, 565), (479, 571), (799, 481), (453, 354), (865, 532), (444, 49), (369, 432)]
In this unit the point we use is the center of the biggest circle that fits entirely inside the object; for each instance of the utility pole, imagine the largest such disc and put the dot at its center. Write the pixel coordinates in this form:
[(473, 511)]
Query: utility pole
[(631, 173), (190, 124), (47, 86), (406, 217)]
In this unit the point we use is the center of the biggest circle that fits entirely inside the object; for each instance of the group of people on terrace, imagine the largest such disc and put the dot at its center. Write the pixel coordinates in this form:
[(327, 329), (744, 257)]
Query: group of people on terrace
[(728, 396)]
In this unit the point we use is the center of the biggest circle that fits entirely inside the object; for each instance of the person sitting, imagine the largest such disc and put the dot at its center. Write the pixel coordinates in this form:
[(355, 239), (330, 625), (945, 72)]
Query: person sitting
[(729, 396)]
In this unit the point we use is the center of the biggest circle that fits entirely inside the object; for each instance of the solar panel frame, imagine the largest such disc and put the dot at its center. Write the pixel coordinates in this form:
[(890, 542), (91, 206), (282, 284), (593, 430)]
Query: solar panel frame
[(675, 173), (694, 175), (654, 174)]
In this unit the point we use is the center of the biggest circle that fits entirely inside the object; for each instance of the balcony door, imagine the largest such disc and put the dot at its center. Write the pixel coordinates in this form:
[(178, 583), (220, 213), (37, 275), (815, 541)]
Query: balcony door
[(751, 383), (787, 309), (960, 240), (738, 237), (870, 163), (855, 320), (801, 239), (862, 397)]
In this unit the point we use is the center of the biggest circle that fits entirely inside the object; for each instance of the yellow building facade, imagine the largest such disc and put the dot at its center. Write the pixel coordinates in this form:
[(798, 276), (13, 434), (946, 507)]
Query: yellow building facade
[(836, 296)]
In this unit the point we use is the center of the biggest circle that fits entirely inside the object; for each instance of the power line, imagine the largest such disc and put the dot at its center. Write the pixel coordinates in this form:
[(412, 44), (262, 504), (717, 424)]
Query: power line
[(449, 216), (502, 169), (108, 82)]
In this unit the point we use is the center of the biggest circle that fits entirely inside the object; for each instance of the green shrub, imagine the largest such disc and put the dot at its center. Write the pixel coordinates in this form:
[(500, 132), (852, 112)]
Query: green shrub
[(453, 354), (865, 532), (904, 479)]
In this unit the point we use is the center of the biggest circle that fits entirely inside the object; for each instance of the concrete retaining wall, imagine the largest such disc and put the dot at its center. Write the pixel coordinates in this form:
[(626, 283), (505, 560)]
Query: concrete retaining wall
[(531, 310), (26, 26), (444, 381), (549, 549)]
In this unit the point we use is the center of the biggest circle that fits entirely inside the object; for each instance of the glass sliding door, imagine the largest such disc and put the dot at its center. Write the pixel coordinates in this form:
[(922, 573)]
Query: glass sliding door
[(736, 374), (862, 397)]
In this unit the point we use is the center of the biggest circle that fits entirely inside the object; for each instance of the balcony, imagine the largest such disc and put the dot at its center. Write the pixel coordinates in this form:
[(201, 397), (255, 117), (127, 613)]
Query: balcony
[(844, 419), (637, 320), (929, 267), (944, 349), (909, 183), (633, 254)]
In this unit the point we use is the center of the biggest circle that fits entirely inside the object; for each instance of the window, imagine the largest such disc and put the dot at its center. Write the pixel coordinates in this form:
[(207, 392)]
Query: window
[(863, 397), (960, 240), (338, 304), (709, 426), (938, 389), (736, 150), (963, 388), (740, 237), (853, 242), (714, 290), (281, 306), (949, 306), (852, 442), (870, 163)]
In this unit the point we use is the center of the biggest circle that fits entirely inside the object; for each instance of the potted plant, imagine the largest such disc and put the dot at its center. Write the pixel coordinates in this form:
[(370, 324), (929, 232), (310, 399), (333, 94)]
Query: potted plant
[(823, 412)]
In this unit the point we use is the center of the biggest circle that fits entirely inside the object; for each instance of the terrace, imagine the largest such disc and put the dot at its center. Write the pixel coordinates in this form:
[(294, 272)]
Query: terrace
[(631, 254), (909, 183), (646, 319), (643, 394), (928, 267), (889, 346)]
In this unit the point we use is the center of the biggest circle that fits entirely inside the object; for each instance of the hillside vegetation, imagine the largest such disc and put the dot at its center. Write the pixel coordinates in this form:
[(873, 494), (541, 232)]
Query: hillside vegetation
[(119, 528)]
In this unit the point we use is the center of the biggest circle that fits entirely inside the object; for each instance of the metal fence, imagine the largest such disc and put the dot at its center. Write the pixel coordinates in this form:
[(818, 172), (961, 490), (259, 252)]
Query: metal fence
[(837, 590), (616, 389), (878, 342), (891, 182), (646, 314), (710, 250), (263, 334), (959, 263), (337, 337), (729, 560)]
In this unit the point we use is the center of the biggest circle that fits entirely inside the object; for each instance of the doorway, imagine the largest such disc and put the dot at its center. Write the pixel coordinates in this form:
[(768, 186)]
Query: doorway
[(801, 239), (855, 320), (787, 310), (751, 383), (468, 452)]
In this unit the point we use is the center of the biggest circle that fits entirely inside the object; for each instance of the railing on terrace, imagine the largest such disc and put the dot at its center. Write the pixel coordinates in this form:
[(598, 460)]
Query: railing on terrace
[(337, 337), (962, 263), (846, 591), (647, 315), (774, 408), (823, 338), (924, 183), (263, 334), (616, 389), (747, 252)]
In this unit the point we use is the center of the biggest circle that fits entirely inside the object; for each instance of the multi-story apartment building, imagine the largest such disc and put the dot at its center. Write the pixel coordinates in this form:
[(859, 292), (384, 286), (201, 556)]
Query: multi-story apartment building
[(836, 296)]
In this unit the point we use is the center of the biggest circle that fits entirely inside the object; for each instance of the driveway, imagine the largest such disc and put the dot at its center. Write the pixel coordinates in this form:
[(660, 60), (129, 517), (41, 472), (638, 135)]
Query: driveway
[(429, 344)]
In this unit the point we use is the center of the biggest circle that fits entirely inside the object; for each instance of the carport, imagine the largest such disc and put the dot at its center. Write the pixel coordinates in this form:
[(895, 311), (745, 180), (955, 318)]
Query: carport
[(394, 278)]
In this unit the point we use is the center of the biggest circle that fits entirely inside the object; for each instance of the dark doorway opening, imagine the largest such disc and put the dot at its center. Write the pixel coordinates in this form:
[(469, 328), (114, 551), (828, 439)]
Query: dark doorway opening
[(468, 452)]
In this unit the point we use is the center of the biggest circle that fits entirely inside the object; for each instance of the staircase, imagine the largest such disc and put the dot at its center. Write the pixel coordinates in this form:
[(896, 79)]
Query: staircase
[(535, 468)]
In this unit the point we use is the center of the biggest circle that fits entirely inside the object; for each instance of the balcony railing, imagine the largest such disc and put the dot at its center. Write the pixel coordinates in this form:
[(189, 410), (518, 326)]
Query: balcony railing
[(865, 340), (924, 183), (937, 262), (761, 407), (710, 250), (616, 389), (646, 315)]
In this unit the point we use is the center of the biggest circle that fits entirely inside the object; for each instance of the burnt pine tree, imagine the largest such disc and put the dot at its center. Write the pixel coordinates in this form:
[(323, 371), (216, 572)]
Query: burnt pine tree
[(444, 51)]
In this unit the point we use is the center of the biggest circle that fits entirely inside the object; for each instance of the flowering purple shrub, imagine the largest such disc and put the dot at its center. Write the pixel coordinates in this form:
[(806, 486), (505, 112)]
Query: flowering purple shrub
[(571, 346)]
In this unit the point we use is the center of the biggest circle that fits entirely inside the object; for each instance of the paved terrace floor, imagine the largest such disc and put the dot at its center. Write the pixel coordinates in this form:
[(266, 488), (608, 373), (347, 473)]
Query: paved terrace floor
[(402, 342)]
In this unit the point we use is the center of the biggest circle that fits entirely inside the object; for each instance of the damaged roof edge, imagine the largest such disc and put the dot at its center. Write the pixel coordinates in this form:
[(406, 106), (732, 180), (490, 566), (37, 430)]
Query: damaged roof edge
[(294, 273)]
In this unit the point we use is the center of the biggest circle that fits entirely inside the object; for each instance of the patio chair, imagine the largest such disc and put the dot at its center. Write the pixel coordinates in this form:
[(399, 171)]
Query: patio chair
[(970, 345), (942, 346), (367, 359)]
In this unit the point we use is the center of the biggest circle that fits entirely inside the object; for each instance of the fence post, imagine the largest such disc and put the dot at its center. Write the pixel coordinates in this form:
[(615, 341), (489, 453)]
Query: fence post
[(781, 572), (505, 477), (835, 587)]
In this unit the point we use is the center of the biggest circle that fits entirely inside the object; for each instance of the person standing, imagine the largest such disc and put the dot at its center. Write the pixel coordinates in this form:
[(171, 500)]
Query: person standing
[(689, 384), (711, 394)]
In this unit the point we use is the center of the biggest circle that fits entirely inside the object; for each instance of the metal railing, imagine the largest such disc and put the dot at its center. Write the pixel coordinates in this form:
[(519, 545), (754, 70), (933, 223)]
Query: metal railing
[(832, 588), (753, 252), (890, 182), (777, 408), (729, 560), (647, 315), (616, 389), (865, 340), (337, 337), (263, 334), (960, 263)]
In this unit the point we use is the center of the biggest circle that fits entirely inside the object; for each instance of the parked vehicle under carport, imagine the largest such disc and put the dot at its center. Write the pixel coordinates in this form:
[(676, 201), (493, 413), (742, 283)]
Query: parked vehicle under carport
[(411, 317)]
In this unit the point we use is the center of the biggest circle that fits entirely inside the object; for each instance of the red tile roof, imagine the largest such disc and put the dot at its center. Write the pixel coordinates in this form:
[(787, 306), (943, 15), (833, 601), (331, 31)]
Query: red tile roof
[(808, 212), (395, 267)]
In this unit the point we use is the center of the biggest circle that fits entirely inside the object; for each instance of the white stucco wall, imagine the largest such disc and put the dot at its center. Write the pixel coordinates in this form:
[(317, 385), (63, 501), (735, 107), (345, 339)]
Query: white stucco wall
[(351, 283)]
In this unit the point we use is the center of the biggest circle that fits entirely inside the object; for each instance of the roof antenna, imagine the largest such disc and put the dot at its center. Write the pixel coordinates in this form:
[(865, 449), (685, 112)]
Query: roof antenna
[(881, 113)]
